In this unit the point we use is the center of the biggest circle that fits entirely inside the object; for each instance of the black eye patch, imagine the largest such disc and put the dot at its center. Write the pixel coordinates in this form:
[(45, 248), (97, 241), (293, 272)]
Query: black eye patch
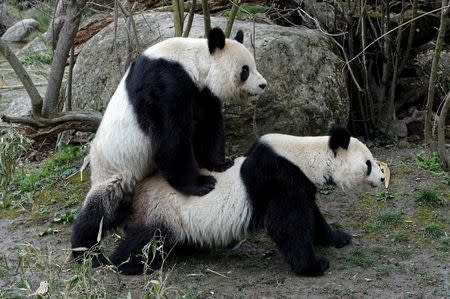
[(369, 167), (245, 72)]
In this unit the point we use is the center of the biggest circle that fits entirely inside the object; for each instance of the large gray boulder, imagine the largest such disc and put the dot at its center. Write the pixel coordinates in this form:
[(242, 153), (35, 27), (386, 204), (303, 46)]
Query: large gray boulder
[(306, 91), (21, 30)]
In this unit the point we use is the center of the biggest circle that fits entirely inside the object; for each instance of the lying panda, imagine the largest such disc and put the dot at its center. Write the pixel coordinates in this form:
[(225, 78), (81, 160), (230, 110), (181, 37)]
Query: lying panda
[(274, 186)]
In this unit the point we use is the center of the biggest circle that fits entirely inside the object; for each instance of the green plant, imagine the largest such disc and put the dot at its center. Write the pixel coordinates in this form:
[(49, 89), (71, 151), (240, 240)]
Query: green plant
[(388, 218), (399, 237), (429, 197), (434, 231), (65, 217), (12, 147), (384, 195), (444, 244), (250, 9), (429, 161), (37, 58)]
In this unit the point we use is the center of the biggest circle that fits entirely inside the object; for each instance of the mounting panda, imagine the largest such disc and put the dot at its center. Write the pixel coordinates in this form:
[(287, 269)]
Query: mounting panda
[(165, 115), (273, 187)]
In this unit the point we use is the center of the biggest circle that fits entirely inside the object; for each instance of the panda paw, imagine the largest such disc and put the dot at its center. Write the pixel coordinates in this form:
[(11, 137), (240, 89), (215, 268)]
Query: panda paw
[(318, 268), (221, 167), (202, 186), (341, 238)]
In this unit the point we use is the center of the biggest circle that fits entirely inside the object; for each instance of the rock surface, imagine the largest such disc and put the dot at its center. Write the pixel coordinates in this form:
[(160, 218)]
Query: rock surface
[(6, 20), (21, 30), (306, 90)]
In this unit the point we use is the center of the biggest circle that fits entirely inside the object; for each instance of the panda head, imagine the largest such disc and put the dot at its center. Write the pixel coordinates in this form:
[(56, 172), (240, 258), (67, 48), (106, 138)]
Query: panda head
[(233, 75), (353, 163)]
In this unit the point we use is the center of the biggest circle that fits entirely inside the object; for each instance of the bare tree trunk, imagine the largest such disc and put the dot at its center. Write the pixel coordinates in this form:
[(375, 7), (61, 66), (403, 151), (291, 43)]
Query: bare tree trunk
[(233, 13), (433, 73), (36, 99), (206, 17), (441, 134), (65, 42)]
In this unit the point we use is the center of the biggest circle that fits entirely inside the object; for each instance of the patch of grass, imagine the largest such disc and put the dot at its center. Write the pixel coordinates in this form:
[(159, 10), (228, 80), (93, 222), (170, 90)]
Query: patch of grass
[(37, 58), (385, 219), (384, 271), (444, 244), (429, 197), (429, 161), (40, 188), (250, 9), (434, 231), (384, 195), (361, 258), (403, 253), (400, 238)]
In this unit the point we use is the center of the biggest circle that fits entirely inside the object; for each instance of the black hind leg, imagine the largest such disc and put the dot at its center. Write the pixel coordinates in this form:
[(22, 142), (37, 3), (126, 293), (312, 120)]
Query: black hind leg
[(289, 222), (134, 254), (325, 235), (100, 210)]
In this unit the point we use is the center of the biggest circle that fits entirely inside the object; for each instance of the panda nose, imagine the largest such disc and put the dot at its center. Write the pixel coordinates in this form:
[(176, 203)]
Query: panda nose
[(382, 179), (262, 86)]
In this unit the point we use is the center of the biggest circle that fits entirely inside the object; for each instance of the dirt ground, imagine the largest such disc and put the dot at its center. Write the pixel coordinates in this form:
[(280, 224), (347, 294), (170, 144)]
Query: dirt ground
[(400, 250)]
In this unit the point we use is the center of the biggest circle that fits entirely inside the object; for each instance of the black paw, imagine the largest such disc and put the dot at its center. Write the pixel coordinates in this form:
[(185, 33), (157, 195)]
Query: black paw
[(316, 268), (221, 167), (202, 186), (341, 239)]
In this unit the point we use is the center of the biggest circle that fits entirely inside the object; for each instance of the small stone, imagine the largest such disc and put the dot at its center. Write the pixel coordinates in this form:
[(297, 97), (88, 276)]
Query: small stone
[(399, 128)]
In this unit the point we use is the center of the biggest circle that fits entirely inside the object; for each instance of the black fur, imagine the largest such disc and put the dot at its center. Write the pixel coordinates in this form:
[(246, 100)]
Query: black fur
[(216, 39), (369, 167), (339, 137), (129, 256), (183, 122), (284, 203), (239, 36), (86, 226)]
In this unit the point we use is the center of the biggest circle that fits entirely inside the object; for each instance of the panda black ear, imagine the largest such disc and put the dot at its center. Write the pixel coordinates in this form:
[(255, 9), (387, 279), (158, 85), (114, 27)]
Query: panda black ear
[(339, 137), (216, 39), (239, 36)]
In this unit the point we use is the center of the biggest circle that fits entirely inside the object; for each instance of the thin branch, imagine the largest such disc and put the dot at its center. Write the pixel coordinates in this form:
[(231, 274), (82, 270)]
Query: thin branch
[(35, 97), (190, 19), (206, 17), (232, 16), (394, 29)]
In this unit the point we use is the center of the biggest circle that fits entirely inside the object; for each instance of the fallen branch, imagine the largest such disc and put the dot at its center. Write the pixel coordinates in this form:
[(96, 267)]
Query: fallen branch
[(45, 127)]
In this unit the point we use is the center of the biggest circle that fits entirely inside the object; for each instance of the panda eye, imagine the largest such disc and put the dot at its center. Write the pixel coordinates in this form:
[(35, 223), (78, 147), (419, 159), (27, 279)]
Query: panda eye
[(245, 73), (369, 167)]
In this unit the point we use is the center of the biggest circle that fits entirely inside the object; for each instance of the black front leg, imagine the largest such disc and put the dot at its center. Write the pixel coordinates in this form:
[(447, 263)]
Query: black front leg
[(289, 221), (208, 137), (325, 235)]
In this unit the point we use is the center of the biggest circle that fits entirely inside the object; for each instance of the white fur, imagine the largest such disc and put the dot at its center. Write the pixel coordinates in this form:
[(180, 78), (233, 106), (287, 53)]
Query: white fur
[(213, 220), (220, 72), (314, 157)]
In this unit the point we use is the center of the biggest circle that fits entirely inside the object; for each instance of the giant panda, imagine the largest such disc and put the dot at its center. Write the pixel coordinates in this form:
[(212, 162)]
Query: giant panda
[(273, 186), (165, 115)]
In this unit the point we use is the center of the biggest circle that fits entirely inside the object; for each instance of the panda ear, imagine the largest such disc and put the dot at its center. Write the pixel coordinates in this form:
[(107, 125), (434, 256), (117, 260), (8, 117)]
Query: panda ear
[(339, 137), (239, 36), (216, 39)]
